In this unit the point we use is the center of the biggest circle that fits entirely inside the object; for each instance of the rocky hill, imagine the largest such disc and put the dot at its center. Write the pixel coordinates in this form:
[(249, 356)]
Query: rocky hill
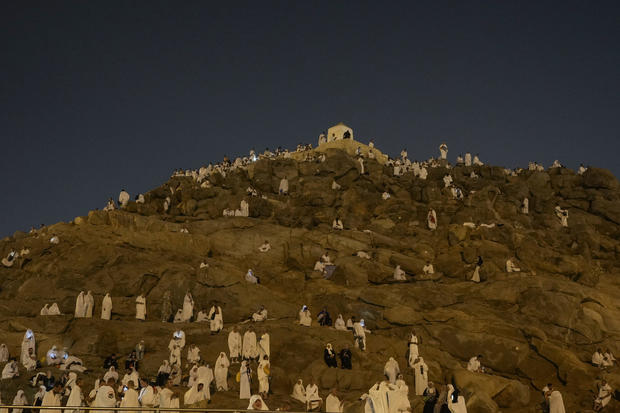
[(537, 326)]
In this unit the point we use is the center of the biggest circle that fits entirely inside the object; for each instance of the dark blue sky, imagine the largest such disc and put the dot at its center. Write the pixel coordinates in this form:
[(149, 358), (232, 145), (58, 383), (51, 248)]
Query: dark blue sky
[(101, 95)]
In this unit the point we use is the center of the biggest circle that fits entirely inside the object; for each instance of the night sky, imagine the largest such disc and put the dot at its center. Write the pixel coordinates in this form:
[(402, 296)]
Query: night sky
[(102, 95)]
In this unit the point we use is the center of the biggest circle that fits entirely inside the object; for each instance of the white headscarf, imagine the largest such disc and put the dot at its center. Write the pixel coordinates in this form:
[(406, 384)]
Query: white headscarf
[(254, 399)]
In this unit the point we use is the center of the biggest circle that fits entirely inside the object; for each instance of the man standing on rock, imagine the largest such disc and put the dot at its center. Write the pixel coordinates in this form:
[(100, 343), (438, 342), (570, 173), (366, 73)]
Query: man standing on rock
[(141, 308)]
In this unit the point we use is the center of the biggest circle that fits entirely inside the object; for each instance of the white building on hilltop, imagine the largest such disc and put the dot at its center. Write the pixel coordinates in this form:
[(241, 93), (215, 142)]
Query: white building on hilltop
[(338, 132)]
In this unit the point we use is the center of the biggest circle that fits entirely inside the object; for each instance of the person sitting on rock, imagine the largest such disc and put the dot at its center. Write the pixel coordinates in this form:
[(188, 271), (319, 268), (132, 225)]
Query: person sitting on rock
[(337, 224), (350, 322), (399, 274), (385, 196), (10, 259), (305, 319), (474, 364), (582, 169), (428, 268), (313, 400), (54, 239), (477, 160), (476, 276), (299, 391), (10, 370), (511, 267), (608, 358), (597, 358), (363, 254), (110, 206), (329, 355), (562, 214), (265, 247), (283, 186), (260, 315), (339, 323), (525, 206), (345, 358), (251, 278), (324, 318), (335, 185), (603, 397)]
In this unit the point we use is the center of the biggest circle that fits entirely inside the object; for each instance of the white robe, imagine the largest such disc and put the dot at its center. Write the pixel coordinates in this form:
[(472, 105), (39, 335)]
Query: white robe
[(106, 307), (339, 323), (53, 309), (391, 370), (188, 308), (234, 344), (312, 395), (250, 349), (52, 400), (263, 377), (399, 397), (263, 346), (221, 372), (333, 404), (413, 349), (89, 304), (216, 321), (420, 371), (283, 187), (399, 274), (260, 315), (458, 406), (141, 307), (130, 399), (80, 306), (299, 391), (432, 219), (4, 353), (556, 404), (10, 370), (305, 318), (244, 381), (193, 395), (193, 355)]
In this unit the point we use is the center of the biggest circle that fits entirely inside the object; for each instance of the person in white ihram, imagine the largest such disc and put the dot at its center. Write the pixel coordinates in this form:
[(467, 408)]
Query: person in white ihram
[(141, 307), (80, 306), (188, 307), (603, 397), (511, 267), (554, 397), (305, 318), (106, 307), (431, 219), (428, 268), (283, 189), (123, 198), (399, 274), (562, 214), (474, 364), (443, 151), (420, 372), (265, 247), (391, 370)]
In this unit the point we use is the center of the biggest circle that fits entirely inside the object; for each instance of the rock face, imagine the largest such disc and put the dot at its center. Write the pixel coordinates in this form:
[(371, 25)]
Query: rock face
[(537, 326)]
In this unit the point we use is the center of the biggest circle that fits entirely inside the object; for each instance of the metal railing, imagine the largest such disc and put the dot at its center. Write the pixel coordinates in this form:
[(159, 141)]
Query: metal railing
[(140, 409)]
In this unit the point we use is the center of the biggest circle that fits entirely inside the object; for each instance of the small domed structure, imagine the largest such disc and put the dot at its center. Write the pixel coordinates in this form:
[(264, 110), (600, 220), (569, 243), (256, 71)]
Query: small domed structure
[(338, 132)]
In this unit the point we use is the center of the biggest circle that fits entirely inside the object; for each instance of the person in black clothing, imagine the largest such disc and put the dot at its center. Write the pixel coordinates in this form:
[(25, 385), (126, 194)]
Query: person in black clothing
[(345, 358), (111, 361), (132, 361), (49, 381), (324, 318), (329, 355)]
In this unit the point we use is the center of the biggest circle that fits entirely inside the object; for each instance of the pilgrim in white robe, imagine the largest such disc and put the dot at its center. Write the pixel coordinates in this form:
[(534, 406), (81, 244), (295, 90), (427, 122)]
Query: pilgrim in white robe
[(604, 395), (339, 323), (216, 320), (4, 353), (205, 375), (221, 372), (391, 370), (299, 391), (250, 277), (313, 400), (337, 224), (10, 370), (257, 403), (264, 346), (431, 219), (45, 310), (556, 403), (80, 306), (51, 399), (250, 349), (89, 304), (413, 348), (20, 400), (147, 398), (420, 371), (193, 376), (110, 374), (360, 160), (53, 310), (283, 189), (474, 364), (75, 399), (130, 399), (260, 315), (262, 373), (52, 357), (28, 343), (456, 406), (467, 159), (428, 269), (597, 358), (175, 356), (188, 307), (244, 380), (123, 198), (106, 307), (333, 404), (193, 354), (443, 151), (423, 173), (305, 318), (511, 267), (266, 246), (202, 316), (399, 397), (562, 214), (234, 344), (399, 274), (197, 394), (105, 398), (525, 206), (141, 308)]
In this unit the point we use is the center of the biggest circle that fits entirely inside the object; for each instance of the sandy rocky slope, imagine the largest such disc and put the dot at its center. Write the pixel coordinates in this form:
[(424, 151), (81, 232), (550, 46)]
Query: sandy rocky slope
[(534, 327)]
